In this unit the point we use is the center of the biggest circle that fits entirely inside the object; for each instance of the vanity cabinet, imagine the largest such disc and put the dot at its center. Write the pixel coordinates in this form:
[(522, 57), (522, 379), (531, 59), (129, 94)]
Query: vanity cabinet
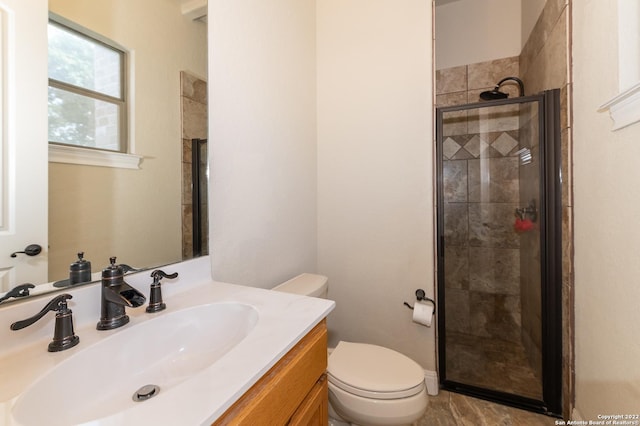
[(315, 408), (292, 392)]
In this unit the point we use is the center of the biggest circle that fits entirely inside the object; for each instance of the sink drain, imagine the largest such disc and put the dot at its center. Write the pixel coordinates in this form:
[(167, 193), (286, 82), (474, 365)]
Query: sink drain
[(145, 392)]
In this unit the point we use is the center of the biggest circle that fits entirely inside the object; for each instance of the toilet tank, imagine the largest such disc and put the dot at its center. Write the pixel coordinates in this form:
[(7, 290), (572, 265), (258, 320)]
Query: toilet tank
[(312, 285)]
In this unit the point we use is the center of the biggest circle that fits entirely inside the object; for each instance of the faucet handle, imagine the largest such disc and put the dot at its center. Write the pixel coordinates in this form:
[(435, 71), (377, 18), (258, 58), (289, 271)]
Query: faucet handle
[(155, 298), (127, 268), (158, 274), (21, 290), (56, 304), (63, 335)]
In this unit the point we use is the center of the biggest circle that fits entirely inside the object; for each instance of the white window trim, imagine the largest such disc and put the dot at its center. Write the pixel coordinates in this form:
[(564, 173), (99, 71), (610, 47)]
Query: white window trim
[(92, 157), (624, 108)]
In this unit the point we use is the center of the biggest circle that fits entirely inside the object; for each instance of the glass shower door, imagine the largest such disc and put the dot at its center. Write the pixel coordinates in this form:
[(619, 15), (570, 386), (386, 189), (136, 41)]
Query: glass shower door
[(493, 222)]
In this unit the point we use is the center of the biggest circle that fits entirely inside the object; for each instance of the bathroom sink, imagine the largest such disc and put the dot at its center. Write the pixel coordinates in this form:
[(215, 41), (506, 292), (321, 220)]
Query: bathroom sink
[(101, 379)]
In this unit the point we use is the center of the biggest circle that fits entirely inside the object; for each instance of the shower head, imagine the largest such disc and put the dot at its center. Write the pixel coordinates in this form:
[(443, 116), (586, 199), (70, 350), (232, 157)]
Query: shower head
[(494, 94)]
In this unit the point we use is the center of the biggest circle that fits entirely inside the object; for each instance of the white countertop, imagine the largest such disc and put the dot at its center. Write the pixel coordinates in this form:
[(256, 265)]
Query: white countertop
[(283, 320)]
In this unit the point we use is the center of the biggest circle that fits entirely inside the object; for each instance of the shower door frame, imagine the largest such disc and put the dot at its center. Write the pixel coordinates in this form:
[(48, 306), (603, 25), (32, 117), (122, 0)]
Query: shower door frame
[(196, 195), (550, 213)]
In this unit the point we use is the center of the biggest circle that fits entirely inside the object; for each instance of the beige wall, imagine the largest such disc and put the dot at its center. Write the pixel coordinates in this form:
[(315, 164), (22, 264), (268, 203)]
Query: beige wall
[(530, 11), (375, 190), (606, 208), (470, 31), (132, 214), (262, 61), (364, 215)]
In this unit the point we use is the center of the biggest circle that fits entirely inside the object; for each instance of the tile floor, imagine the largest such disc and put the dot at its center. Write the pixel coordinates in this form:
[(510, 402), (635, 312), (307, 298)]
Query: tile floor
[(452, 409), (492, 364)]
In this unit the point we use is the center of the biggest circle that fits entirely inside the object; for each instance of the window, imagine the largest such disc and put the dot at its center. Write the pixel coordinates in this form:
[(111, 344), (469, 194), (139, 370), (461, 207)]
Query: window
[(87, 103)]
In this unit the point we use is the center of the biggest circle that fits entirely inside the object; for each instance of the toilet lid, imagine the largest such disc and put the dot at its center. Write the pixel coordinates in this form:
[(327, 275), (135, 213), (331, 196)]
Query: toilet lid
[(374, 371)]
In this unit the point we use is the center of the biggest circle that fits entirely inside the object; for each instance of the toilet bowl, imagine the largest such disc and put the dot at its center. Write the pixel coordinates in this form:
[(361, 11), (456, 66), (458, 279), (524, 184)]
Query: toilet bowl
[(369, 385)]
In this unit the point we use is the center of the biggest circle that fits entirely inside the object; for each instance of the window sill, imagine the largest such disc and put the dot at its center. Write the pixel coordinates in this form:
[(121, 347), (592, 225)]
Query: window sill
[(624, 109), (92, 157)]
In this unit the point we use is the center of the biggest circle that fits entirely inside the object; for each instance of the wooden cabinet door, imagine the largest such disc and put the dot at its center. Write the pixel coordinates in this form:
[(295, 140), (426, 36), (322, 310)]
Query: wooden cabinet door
[(314, 410), (280, 393)]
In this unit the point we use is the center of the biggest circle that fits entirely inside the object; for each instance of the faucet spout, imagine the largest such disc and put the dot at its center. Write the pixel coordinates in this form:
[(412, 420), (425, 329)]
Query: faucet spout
[(116, 295), (124, 295)]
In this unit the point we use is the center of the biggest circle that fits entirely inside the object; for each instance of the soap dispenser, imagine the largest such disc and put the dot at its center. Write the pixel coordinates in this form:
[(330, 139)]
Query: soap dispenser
[(80, 270)]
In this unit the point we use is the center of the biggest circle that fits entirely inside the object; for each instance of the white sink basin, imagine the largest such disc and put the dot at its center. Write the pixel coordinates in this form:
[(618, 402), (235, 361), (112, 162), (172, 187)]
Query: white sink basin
[(101, 379)]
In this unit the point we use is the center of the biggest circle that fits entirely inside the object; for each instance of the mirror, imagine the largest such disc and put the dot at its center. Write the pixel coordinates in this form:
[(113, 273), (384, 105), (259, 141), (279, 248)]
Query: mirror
[(141, 215)]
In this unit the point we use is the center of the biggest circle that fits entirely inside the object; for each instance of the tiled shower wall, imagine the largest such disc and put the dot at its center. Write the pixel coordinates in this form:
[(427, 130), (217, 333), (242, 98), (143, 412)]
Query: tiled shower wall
[(482, 251), (530, 276), (543, 64), (193, 98), (463, 84), (481, 267)]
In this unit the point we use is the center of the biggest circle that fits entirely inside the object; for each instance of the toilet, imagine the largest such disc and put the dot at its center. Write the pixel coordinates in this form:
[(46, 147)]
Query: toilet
[(369, 385)]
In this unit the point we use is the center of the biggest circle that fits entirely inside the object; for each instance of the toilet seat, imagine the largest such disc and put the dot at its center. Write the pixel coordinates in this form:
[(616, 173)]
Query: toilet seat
[(374, 372)]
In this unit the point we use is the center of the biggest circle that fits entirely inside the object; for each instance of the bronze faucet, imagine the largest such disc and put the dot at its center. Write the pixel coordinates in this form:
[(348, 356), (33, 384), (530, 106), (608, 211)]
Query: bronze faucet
[(116, 295), (21, 290), (155, 297), (63, 335)]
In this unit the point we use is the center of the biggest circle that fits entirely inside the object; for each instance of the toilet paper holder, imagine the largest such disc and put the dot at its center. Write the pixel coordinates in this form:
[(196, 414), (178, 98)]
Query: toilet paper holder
[(420, 296)]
